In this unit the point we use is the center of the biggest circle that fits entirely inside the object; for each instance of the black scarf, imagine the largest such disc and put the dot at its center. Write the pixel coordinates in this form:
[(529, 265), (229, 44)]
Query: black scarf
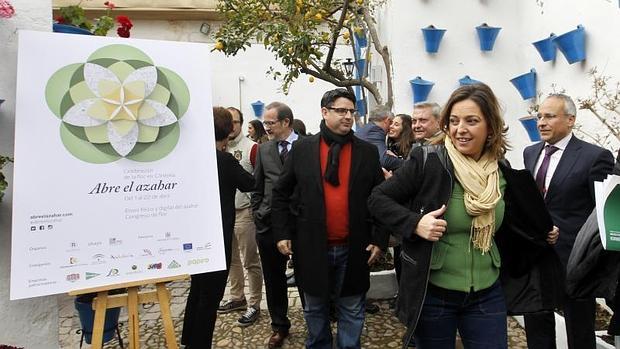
[(335, 143)]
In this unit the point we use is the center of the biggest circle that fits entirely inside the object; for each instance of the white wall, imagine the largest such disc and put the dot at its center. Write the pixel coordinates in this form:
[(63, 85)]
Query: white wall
[(513, 54), (28, 323), (251, 65)]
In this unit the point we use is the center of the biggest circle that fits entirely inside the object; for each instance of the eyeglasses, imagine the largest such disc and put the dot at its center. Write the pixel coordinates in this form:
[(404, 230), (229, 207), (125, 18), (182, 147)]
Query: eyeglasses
[(548, 117), (270, 123), (342, 111)]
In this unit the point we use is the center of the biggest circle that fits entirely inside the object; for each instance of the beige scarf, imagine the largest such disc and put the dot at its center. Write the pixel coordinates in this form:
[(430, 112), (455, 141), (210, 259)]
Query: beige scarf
[(480, 180)]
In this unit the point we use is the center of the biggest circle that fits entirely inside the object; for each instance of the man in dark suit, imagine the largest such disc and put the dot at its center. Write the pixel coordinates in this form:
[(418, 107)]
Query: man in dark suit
[(207, 289), (375, 131), (278, 121), (565, 169), (327, 228)]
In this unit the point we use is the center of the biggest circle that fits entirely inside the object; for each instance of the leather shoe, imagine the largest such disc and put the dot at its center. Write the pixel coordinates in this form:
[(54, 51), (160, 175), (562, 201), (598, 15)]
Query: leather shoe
[(277, 339)]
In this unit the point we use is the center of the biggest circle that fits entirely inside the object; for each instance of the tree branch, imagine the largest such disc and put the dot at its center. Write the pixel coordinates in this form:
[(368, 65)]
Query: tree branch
[(615, 132), (332, 47)]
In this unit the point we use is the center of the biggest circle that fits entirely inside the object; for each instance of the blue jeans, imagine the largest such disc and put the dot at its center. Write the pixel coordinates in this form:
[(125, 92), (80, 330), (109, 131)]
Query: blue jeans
[(350, 309), (479, 316)]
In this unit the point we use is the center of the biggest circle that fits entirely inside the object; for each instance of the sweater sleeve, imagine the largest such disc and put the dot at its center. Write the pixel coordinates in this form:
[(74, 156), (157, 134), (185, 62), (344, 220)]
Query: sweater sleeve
[(253, 155)]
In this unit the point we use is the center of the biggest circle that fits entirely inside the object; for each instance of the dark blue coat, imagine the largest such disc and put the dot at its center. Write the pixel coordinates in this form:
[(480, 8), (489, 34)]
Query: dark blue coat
[(570, 196), (375, 135)]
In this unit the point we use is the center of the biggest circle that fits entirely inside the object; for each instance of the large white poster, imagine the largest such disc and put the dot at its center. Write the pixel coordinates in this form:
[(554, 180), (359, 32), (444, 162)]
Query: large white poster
[(115, 169)]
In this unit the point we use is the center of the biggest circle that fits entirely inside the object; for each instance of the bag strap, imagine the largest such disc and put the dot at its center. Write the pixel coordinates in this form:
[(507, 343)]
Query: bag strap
[(438, 149)]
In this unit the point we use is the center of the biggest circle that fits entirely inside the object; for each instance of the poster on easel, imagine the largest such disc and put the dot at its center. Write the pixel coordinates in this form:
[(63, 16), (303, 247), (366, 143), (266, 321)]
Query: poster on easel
[(115, 164), (607, 195)]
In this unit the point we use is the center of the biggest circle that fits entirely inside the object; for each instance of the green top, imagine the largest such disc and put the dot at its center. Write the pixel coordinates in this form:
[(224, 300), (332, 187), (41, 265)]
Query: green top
[(456, 264)]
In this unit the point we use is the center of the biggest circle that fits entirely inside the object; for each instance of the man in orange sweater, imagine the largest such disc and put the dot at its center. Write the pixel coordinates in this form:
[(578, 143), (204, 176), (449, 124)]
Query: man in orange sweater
[(328, 228)]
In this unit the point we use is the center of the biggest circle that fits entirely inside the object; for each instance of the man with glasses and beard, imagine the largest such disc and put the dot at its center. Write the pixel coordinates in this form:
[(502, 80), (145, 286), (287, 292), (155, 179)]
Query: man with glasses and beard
[(327, 228)]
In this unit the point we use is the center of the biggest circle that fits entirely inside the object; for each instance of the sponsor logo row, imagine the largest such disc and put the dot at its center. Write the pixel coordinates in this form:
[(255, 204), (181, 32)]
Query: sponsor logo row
[(74, 246), (135, 269), (100, 258)]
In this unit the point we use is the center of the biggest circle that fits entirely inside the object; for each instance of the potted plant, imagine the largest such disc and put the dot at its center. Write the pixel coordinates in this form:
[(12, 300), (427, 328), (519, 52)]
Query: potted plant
[(73, 20), (84, 307)]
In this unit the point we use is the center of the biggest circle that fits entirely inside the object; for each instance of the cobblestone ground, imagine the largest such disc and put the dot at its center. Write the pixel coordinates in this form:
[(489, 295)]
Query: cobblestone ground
[(381, 331)]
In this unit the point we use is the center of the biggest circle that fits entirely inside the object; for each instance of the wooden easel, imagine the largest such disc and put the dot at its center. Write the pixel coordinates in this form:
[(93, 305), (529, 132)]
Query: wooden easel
[(131, 300)]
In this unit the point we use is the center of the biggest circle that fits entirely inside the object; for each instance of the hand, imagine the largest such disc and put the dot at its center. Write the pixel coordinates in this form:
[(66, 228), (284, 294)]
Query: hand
[(386, 174), (430, 227), (284, 246), (375, 252), (390, 153), (552, 236)]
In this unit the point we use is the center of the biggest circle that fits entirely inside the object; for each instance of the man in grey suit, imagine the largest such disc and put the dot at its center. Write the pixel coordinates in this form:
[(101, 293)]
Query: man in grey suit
[(278, 122), (565, 169)]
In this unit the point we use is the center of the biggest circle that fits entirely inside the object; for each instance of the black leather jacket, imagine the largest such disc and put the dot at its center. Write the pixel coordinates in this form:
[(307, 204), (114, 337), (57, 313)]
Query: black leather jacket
[(531, 271)]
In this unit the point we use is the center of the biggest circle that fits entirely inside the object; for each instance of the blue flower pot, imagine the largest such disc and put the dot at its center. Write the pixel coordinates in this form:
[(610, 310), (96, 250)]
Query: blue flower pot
[(466, 80), (530, 123), (259, 108), (421, 88), (572, 44), (526, 84), (69, 29), (432, 38), (360, 68), (487, 36), (360, 105), (546, 48), (360, 39), (84, 307)]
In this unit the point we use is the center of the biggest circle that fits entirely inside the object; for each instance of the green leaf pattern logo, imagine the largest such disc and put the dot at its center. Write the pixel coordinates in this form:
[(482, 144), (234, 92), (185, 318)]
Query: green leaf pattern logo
[(118, 104)]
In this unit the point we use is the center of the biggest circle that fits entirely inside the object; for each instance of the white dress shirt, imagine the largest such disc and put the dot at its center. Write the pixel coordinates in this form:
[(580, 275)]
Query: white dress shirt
[(291, 138), (553, 160)]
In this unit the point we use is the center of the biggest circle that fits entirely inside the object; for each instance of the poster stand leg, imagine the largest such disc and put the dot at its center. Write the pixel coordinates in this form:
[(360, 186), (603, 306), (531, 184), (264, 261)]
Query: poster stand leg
[(132, 299)]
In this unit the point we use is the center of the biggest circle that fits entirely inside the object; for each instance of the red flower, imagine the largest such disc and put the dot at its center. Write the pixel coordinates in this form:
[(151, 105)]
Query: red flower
[(123, 32), (6, 9), (110, 5), (124, 21), (60, 20)]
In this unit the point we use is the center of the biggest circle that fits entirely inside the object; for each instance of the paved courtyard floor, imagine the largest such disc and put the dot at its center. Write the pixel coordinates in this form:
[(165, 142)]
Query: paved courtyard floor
[(382, 330)]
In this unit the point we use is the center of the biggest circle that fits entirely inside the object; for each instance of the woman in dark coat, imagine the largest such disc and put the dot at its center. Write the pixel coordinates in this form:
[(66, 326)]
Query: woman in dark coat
[(473, 231), (207, 289)]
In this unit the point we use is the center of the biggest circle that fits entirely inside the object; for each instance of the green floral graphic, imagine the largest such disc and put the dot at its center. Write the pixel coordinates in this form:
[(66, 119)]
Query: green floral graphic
[(118, 104)]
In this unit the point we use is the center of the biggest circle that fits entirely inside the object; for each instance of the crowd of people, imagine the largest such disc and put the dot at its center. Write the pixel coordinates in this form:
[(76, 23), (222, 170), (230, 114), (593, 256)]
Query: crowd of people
[(474, 239)]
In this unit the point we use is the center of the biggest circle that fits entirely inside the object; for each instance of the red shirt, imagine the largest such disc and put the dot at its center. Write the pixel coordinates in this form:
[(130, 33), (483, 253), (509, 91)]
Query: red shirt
[(337, 198)]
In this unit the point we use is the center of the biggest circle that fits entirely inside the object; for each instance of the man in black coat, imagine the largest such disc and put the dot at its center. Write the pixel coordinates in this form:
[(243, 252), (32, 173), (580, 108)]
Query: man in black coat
[(207, 289), (565, 169), (328, 229)]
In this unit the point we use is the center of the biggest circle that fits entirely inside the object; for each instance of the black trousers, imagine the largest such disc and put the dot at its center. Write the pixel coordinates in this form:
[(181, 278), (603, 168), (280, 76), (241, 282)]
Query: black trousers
[(205, 293), (274, 276), (579, 316), (397, 262)]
